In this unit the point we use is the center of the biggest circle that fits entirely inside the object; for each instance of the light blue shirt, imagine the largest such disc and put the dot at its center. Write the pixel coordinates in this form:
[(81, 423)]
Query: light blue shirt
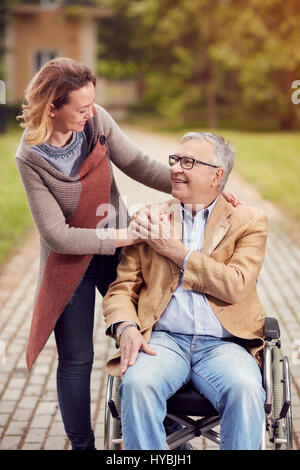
[(188, 311)]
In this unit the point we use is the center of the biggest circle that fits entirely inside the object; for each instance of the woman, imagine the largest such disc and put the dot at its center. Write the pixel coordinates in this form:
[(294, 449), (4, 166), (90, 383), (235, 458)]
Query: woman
[(64, 160)]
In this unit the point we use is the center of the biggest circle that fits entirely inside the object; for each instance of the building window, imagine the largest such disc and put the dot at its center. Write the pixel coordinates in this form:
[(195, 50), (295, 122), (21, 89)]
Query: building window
[(41, 57)]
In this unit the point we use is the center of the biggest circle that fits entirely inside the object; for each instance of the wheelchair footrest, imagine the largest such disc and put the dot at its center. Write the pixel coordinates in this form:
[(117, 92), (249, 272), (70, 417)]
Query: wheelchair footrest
[(284, 411), (117, 441)]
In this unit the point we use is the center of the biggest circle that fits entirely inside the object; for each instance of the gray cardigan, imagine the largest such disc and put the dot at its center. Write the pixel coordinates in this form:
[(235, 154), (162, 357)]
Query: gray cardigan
[(51, 206), (64, 209)]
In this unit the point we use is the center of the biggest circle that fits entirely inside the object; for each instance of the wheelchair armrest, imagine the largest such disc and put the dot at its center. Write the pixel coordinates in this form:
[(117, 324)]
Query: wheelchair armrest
[(272, 330)]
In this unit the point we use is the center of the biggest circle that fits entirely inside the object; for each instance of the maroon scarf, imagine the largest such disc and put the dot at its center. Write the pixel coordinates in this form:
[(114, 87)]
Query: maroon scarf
[(62, 272)]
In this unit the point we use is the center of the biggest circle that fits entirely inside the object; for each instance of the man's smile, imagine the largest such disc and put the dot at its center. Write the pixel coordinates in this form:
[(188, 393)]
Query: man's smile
[(176, 180)]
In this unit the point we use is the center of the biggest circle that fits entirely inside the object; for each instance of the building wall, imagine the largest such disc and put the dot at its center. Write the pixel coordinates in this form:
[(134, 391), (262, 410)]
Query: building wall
[(45, 31), (116, 94), (27, 34), (88, 44)]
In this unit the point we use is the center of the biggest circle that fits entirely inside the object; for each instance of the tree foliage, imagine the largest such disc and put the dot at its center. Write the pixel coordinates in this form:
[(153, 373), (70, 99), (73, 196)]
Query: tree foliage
[(221, 56), (213, 60), (5, 6)]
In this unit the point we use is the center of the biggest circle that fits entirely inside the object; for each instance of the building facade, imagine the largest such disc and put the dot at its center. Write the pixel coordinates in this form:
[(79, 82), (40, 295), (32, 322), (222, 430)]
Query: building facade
[(37, 32)]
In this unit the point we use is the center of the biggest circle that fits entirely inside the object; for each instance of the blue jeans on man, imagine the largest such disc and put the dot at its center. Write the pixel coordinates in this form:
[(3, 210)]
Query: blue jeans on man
[(222, 370)]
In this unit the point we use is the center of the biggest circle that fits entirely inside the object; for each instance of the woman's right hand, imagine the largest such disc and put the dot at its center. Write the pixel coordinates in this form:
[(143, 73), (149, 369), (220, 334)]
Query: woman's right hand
[(127, 236), (131, 235)]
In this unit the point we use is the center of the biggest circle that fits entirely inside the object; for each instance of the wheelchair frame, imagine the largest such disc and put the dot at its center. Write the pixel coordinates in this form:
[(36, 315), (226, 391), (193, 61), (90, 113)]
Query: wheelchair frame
[(277, 428)]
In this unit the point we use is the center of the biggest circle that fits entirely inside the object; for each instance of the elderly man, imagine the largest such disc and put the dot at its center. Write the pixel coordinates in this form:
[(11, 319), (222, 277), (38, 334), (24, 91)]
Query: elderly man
[(185, 305)]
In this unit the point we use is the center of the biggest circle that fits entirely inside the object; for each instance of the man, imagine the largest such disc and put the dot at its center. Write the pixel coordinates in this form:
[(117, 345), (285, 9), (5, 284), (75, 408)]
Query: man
[(185, 306)]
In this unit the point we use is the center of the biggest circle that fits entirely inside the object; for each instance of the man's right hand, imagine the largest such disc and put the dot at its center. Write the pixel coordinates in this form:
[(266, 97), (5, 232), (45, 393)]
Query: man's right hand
[(131, 342)]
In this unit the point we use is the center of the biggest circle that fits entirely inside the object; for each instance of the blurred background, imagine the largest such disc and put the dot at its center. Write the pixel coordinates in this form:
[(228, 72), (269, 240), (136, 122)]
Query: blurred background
[(232, 66), (163, 67)]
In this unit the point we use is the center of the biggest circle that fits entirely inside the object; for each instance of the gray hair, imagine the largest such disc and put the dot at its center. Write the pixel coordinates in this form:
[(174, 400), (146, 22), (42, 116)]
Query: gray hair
[(223, 152)]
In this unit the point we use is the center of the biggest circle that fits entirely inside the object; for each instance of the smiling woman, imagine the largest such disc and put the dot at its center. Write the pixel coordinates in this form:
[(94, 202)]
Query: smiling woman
[(73, 115), (64, 160), (48, 93), (67, 145)]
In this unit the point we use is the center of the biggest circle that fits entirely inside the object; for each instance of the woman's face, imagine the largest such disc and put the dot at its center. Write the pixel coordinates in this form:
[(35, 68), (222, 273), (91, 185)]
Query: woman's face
[(73, 115)]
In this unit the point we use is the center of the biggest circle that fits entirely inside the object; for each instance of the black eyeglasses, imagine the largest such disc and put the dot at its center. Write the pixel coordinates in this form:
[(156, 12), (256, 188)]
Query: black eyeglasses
[(187, 163)]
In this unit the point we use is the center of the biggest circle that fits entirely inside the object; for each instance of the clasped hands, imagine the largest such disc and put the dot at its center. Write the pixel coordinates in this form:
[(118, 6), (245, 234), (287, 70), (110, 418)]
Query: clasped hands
[(156, 230)]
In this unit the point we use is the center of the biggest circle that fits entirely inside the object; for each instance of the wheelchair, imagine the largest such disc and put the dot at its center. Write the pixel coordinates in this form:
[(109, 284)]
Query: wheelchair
[(198, 417)]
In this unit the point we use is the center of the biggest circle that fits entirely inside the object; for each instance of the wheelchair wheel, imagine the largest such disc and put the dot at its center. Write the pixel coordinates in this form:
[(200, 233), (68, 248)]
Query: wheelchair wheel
[(281, 406), (112, 424)]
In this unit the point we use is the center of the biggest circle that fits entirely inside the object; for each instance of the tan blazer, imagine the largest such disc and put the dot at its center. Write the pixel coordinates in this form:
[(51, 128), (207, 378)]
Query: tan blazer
[(226, 270)]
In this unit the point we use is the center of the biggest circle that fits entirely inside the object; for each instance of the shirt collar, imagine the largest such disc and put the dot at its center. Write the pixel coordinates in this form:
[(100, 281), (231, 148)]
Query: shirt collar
[(206, 212)]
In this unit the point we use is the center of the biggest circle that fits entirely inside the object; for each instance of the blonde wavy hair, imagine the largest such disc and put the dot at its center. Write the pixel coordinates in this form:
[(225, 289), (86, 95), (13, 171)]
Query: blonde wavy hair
[(51, 85)]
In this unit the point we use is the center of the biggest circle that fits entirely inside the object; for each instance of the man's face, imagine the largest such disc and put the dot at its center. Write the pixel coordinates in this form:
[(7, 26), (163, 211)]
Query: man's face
[(198, 185)]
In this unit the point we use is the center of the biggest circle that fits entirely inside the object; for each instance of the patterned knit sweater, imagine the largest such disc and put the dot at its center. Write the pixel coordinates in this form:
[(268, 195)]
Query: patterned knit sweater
[(66, 213)]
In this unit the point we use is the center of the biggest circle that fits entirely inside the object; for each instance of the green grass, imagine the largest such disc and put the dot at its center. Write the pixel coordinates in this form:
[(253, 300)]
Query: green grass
[(271, 163), (14, 213)]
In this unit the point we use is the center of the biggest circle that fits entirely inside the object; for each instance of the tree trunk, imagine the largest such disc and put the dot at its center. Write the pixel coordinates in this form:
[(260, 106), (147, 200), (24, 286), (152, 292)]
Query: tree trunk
[(140, 84), (211, 108), (204, 78)]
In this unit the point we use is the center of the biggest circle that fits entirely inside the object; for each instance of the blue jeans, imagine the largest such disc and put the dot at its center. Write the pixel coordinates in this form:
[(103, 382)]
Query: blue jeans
[(223, 371), (74, 339)]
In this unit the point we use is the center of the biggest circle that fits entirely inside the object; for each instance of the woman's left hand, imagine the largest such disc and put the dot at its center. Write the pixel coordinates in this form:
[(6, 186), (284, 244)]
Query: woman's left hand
[(230, 197)]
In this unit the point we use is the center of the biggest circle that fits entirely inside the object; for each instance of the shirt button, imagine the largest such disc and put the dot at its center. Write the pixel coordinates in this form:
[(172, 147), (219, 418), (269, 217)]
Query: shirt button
[(198, 303), (199, 326)]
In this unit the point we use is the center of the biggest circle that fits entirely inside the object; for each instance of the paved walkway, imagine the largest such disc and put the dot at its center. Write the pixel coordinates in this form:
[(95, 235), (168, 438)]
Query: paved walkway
[(29, 415)]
